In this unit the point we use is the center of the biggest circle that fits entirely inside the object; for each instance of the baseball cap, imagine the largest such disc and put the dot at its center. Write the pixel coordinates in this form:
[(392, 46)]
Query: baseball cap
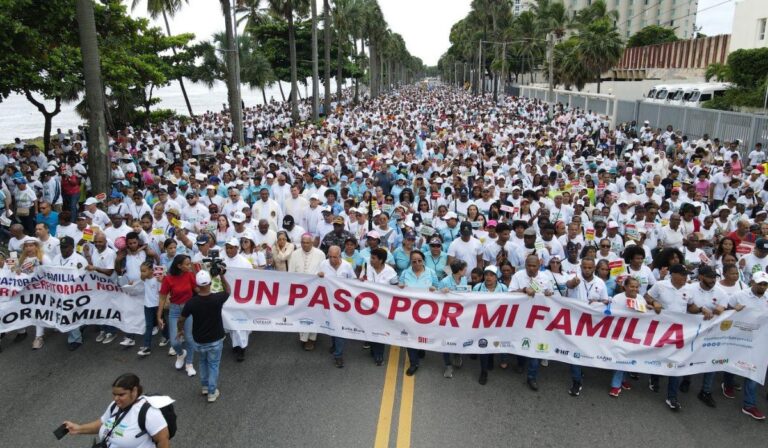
[(373, 234), (761, 243), (338, 220), (91, 201), (238, 217), (202, 239), (233, 242), (760, 277), (435, 242), (288, 220), (450, 215), (203, 278), (491, 223), (492, 269), (530, 231), (465, 228)]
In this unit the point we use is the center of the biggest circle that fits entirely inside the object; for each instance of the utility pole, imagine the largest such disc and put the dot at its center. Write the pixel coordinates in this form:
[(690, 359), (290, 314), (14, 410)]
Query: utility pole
[(551, 56)]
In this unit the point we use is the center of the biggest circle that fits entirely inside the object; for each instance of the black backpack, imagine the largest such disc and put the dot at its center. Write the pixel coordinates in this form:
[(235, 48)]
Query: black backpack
[(169, 414)]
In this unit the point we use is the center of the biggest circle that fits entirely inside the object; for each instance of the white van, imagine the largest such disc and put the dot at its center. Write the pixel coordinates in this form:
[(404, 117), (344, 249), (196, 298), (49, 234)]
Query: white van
[(705, 92), (680, 94)]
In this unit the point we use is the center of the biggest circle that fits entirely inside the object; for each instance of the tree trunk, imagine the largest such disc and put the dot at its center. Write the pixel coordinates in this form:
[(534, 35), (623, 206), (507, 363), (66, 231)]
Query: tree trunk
[(98, 157), (235, 106), (339, 67), (280, 85), (357, 97), (327, 51), (181, 79), (48, 117), (373, 69), (599, 75), (264, 94), (315, 63), (294, 75)]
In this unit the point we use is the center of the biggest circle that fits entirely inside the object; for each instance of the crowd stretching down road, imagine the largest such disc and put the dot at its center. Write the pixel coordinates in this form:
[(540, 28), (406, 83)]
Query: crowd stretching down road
[(425, 187)]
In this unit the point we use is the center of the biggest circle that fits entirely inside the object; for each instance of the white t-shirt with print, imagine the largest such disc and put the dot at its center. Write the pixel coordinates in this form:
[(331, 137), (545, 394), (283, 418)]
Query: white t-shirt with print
[(124, 436)]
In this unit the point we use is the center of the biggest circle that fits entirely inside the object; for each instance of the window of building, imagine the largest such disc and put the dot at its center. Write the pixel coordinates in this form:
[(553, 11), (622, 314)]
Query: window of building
[(761, 25)]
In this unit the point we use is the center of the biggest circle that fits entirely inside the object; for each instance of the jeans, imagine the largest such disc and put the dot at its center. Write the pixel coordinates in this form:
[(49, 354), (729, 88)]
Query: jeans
[(150, 318), (210, 359), (750, 388), (413, 356), (70, 203), (706, 383), (338, 346), (618, 378), (485, 362), (673, 383), (447, 359), (75, 336), (377, 350), (188, 343), (533, 368), (108, 329)]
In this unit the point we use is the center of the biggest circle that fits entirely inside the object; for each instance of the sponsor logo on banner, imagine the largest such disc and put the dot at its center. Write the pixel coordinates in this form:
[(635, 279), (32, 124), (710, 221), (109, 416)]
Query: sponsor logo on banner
[(284, 323), (711, 344), (354, 330), (450, 343), (239, 319), (696, 363), (560, 351), (327, 325), (305, 321), (380, 333), (746, 326), (629, 362), (526, 345), (720, 362), (424, 340), (743, 365), (671, 365), (653, 363), (726, 325), (482, 343), (576, 355), (542, 347), (262, 321), (604, 358), (468, 343), (502, 344)]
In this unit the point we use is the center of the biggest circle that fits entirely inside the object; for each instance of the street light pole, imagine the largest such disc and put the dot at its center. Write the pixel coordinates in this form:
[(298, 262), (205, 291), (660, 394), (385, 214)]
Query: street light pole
[(551, 51), (480, 88)]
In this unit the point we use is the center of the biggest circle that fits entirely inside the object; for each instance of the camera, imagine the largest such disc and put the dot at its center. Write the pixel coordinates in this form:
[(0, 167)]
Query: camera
[(217, 264)]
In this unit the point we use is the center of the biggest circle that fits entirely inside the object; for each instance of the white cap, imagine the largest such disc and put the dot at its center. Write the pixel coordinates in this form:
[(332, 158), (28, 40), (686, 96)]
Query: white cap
[(233, 242), (203, 278), (760, 277), (450, 215), (238, 217), (91, 201)]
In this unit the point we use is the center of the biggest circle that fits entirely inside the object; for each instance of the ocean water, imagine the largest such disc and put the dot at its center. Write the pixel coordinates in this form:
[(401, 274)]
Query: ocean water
[(19, 118)]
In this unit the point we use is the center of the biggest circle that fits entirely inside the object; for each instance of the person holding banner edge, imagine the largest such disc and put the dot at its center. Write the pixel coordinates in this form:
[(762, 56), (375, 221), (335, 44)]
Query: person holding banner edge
[(378, 271), (418, 276)]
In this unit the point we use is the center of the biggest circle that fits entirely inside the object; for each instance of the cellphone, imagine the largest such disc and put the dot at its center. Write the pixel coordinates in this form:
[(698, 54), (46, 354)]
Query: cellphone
[(61, 431)]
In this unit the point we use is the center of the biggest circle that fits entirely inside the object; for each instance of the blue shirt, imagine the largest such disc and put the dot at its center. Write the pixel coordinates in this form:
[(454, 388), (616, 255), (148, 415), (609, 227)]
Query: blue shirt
[(437, 264), (402, 260), (450, 283), (427, 279), (355, 259), (52, 220), (480, 287), (449, 235)]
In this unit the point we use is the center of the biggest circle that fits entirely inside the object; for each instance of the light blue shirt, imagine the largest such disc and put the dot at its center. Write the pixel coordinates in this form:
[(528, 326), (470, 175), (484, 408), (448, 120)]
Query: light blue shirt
[(480, 287), (427, 279), (450, 283)]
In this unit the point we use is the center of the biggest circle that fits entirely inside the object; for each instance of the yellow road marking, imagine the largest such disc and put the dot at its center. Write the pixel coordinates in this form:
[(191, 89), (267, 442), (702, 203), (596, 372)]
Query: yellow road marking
[(406, 411), (384, 425)]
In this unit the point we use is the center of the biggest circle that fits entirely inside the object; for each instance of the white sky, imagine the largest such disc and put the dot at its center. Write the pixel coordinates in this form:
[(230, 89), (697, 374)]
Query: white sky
[(424, 24)]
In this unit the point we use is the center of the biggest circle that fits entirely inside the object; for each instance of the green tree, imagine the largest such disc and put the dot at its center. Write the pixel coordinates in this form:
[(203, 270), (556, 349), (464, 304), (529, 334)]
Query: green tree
[(718, 71), (600, 47), (327, 56), (233, 87), (286, 9), (167, 8), (652, 35)]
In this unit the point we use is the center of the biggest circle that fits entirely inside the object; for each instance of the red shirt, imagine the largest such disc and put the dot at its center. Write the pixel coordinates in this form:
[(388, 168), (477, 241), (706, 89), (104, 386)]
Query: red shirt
[(179, 288)]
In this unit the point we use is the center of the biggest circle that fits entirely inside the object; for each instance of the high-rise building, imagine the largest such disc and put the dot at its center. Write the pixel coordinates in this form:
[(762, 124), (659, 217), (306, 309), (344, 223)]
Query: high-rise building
[(750, 25), (519, 6), (635, 15)]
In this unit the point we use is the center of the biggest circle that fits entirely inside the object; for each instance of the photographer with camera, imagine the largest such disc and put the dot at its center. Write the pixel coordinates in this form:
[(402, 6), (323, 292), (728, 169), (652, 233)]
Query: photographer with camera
[(204, 309), (121, 425)]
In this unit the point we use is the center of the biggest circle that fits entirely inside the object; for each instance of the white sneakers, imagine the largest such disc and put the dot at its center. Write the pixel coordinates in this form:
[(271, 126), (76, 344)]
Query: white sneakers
[(127, 342), (180, 359), (204, 391), (212, 397), (163, 343), (109, 337), (171, 351), (37, 344), (190, 370), (100, 337), (144, 351)]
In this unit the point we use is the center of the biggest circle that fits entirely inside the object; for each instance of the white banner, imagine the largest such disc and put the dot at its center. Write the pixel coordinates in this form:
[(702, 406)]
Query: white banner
[(65, 299), (553, 328)]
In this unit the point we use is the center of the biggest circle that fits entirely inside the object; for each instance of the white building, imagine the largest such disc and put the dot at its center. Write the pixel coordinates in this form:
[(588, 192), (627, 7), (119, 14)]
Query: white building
[(635, 15), (749, 25)]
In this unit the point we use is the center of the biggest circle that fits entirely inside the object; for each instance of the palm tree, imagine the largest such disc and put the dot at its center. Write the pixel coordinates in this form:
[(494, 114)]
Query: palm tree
[(529, 48), (600, 47), (342, 12), (374, 29), (233, 87), (286, 9), (315, 62), (98, 156), (166, 8), (597, 10), (327, 56)]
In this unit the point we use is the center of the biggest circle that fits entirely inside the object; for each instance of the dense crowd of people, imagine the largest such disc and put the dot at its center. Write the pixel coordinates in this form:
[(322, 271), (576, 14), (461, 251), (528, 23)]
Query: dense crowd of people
[(426, 187)]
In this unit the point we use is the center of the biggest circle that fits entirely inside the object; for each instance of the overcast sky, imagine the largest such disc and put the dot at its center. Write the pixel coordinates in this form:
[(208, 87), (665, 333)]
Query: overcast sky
[(424, 24)]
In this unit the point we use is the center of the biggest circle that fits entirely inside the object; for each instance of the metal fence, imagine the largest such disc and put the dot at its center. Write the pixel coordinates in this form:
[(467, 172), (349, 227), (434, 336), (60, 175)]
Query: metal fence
[(693, 122)]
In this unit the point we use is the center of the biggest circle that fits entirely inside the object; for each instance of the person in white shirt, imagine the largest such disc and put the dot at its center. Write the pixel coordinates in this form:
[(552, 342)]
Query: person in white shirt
[(269, 209), (69, 258), (378, 271), (334, 266), (306, 261), (194, 212), (97, 217), (466, 248), (118, 228), (672, 235), (49, 243), (233, 259), (706, 297), (296, 206), (757, 261), (264, 236)]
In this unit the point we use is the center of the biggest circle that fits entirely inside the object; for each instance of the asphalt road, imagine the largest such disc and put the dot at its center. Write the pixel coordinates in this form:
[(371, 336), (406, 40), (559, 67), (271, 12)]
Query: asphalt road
[(282, 396)]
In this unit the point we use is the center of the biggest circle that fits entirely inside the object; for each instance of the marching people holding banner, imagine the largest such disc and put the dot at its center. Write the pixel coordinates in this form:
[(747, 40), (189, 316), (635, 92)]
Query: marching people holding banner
[(233, 259), (490, 284), (69, 258), (378, 271), (334, 266), (306, 260), (417, 276)]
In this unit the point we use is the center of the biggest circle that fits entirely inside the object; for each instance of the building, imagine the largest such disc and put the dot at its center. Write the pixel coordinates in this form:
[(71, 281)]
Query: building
[(749, 25), (519, 6), (635, 15)]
